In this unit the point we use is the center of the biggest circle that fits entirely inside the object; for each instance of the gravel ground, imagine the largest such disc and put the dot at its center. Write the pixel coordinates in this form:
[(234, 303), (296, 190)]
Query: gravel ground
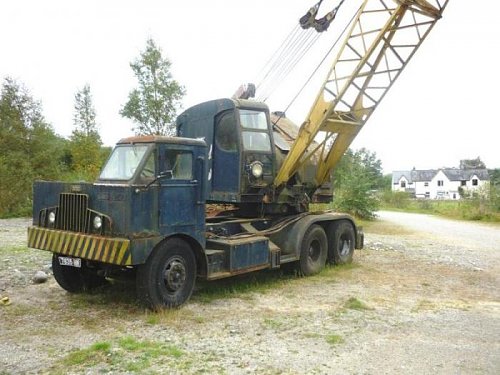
[(422, 297)]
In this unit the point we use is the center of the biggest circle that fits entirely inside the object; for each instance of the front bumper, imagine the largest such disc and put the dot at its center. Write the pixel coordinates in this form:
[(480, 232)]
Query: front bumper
[(109, 250)]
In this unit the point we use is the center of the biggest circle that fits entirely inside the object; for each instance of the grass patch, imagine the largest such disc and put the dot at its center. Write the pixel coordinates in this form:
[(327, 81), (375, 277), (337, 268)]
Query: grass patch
[(96, 353), (243, 286), (383, 227), (173, 318), (464, 209), (275, 324), (126, 354), (355, 304), (334, 339)]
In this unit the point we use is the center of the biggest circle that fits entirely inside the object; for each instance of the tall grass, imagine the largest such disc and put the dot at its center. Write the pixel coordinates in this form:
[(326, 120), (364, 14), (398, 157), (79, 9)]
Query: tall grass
[(478, 208)]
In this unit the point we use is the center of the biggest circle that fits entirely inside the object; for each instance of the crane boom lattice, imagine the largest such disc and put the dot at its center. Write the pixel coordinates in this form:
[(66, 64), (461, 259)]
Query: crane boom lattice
[(381, 40)]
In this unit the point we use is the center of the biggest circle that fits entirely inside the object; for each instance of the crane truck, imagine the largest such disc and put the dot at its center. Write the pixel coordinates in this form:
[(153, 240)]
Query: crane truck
[(147, 215)]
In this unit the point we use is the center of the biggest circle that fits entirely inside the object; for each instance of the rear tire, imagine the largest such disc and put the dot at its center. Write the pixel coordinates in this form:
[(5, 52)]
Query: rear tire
[(75, 280), (341, 240), (313, 251), (167, 278)]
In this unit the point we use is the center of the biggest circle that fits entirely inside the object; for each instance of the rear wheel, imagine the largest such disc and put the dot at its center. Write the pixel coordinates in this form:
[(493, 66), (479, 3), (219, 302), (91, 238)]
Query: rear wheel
[(313, 251), (341, 240), (73, 279), (167, 278)]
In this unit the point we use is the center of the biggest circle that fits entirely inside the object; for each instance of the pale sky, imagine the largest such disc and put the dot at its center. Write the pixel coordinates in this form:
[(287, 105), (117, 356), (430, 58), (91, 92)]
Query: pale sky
[(440, 110)]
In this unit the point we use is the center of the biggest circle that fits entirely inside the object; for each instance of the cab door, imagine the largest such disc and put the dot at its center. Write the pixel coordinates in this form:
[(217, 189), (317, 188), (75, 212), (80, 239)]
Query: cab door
[(180, 200), (226, 163)]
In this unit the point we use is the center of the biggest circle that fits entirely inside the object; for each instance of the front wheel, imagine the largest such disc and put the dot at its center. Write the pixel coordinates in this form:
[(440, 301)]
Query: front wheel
[(73, 279), (167, 278), (313, 250)]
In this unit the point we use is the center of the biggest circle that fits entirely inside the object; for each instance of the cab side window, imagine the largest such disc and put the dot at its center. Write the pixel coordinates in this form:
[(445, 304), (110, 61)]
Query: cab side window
[(179, 164), (226, 136)]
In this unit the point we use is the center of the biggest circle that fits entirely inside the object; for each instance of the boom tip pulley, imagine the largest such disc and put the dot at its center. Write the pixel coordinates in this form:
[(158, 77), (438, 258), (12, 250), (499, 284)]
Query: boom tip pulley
[(322, 24)]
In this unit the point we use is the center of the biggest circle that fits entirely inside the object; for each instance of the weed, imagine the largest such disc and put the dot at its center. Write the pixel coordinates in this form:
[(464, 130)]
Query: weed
[(126, 354), (96, 353), (334, 339), (240, 286), (273, 323), (355, 304)]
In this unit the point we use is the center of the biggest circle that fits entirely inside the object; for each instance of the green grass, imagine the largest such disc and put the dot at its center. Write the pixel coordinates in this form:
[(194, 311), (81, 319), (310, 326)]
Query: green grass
[(125, 354), (90, 356), (465, 209), (243, 286), (355, 304), (334, 339)]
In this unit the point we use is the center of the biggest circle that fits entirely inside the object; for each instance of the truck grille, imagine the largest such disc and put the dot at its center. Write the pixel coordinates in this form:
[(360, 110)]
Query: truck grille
[(72, 214)]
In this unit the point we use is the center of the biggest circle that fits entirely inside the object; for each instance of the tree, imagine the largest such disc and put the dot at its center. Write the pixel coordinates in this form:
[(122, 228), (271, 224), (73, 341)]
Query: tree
[(153, 105), (84, 118), (85, 139), (357, 176), (29, 148)]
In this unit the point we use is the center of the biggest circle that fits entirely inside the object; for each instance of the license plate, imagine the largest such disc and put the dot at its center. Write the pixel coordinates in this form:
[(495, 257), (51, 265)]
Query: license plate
[(71, 262)]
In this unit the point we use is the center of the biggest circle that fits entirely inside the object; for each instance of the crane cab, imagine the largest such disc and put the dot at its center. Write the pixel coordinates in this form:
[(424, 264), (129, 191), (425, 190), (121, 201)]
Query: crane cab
[(241, 151)]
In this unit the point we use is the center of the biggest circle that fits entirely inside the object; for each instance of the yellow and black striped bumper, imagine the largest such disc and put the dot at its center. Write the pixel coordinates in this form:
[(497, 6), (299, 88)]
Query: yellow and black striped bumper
[(102, 249)]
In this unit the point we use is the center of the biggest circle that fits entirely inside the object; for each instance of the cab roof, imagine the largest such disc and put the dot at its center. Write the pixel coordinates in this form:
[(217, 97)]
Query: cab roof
[(162, 139)]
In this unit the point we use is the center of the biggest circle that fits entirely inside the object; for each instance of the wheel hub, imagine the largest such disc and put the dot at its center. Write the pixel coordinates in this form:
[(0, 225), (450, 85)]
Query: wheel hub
[(175, 275), (345, 246)]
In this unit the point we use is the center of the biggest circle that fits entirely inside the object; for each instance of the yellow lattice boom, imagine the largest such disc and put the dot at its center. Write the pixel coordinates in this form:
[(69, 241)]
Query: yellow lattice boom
[(381, 39)]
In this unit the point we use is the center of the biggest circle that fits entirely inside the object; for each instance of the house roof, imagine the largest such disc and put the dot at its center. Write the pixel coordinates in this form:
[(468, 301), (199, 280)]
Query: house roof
[(453, 174), (414, 175)]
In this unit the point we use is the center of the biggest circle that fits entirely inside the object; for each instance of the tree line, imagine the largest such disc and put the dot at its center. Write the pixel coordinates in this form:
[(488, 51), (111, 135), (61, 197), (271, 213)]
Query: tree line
[(31, 150)]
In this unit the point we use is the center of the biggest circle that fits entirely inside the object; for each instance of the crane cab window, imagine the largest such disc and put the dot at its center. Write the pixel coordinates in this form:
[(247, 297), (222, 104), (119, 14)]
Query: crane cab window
[(253, 119), (255, 130)]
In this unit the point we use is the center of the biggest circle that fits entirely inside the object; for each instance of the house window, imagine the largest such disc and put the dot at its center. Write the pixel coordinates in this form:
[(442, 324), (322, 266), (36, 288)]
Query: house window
[(427, 194), (426, 184), (403, 184), (440, 183), (463, 183), (474, 182)]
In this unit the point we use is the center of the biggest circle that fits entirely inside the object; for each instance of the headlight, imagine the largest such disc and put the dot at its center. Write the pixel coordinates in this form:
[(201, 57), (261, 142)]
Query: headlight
[(52, 217), (257, 169), (97, 222)]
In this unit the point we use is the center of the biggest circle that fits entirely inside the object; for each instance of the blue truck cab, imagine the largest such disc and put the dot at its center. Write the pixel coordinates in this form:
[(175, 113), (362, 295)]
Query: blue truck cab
[(151, 211)]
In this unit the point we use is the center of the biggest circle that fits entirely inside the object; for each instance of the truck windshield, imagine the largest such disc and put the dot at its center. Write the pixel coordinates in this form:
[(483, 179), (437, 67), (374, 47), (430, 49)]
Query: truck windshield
[(123, 162)]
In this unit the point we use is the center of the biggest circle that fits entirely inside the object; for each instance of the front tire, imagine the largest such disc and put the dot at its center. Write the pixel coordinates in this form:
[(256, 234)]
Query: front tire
[(167, 278), (342, 239), (313, 251), (75, 280)]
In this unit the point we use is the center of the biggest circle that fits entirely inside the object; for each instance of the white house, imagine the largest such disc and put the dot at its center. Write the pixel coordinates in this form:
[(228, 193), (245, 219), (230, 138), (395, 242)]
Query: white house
[(441, 183)]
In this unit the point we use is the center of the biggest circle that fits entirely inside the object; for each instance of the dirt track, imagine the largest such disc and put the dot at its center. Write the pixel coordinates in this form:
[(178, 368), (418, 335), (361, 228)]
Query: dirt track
[(423, 297)]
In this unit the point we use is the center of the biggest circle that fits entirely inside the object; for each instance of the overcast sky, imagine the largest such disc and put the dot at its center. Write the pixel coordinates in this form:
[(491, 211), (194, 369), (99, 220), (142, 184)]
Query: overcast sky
[(441, 110)]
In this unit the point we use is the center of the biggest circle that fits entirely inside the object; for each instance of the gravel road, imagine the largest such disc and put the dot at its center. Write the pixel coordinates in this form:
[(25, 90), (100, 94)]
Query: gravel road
[(423, 297)]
